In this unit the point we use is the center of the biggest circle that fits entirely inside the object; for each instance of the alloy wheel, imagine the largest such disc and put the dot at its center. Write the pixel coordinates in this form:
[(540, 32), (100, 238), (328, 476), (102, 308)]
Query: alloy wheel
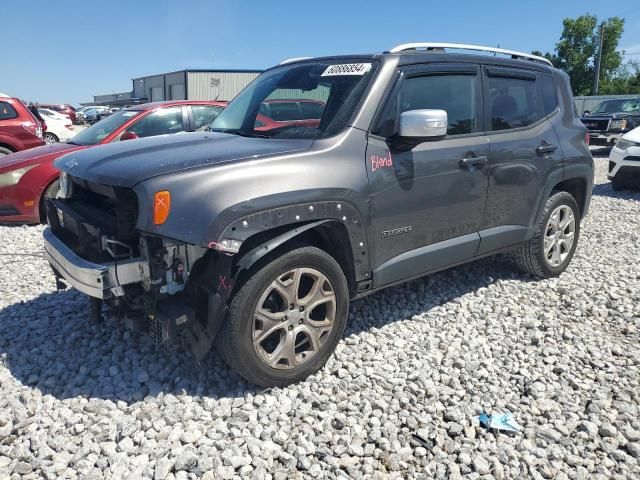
[(559, 235), (293, 318)]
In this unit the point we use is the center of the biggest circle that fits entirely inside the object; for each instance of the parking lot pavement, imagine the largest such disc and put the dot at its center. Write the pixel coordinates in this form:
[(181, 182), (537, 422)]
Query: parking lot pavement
[(397, 400)]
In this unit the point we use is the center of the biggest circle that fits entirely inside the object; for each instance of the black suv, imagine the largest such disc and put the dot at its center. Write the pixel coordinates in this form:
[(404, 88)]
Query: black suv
[(256, 240)]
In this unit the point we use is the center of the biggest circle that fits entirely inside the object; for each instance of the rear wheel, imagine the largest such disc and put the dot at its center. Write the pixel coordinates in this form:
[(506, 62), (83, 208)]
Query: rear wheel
[(50, 138), (286, 319), (4, 151), (550, 251)]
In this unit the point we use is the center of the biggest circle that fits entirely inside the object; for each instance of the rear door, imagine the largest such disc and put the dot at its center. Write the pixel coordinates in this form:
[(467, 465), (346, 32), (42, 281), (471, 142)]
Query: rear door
[(524, 151)]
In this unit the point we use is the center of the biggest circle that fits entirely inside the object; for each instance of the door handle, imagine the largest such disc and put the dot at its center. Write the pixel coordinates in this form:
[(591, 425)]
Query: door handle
[(545, 149), (473, 161)]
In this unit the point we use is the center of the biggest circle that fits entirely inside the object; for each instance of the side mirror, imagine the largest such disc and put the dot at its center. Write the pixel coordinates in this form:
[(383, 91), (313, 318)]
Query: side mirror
[(129, 136), (424, 123)]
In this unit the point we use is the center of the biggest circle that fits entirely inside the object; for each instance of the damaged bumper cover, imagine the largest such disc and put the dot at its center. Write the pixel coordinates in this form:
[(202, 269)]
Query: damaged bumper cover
[(104, 280)]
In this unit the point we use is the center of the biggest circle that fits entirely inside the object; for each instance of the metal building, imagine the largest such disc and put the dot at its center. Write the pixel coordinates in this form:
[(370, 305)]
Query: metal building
[(193, 85)]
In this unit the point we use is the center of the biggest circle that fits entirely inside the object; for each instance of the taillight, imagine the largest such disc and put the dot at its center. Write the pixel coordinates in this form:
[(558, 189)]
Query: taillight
[(31, 127), (587, 138), (161, 207)]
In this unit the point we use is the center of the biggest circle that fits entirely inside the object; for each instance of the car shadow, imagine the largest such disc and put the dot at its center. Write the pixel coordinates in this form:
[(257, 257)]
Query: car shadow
[(49, 344), (606, 190)]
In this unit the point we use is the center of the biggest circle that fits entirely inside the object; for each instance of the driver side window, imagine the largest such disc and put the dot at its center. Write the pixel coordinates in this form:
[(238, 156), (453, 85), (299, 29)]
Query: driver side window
[(161, 122)]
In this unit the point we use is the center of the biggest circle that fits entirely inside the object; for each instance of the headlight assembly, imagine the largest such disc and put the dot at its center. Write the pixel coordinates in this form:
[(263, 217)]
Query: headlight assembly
[(618, 124), (623, 144), (14, 176), (65, 186)]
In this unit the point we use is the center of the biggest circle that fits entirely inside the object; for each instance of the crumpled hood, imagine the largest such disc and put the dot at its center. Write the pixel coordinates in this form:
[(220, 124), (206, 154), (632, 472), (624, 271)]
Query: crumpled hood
[(38, 154), (124, 164)]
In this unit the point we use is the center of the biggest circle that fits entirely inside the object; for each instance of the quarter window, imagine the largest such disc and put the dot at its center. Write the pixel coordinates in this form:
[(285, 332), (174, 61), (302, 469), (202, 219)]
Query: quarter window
[(160, 122), (456, 94), (512, 102), (7, 111), (549, 95)]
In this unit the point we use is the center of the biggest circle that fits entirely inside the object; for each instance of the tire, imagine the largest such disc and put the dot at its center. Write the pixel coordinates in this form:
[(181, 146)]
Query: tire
[(531, 256), (618, 184), (50, 192), (50, 138), (5, 151), (293, 357)]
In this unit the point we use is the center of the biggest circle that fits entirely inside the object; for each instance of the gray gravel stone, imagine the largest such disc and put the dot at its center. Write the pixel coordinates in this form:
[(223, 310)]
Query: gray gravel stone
[(84, 401)]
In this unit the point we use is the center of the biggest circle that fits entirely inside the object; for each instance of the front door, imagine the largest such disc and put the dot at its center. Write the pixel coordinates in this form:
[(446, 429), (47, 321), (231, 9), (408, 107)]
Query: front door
[(428, 198)]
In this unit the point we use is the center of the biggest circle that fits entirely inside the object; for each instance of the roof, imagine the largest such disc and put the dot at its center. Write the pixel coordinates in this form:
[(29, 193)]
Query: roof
[(169, 103)]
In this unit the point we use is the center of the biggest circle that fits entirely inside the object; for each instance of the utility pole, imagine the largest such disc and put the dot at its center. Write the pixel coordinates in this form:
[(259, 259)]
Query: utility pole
[(596, 78)]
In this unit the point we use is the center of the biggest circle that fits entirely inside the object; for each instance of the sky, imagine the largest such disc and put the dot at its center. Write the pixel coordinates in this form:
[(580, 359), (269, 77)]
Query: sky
[(69, 50)]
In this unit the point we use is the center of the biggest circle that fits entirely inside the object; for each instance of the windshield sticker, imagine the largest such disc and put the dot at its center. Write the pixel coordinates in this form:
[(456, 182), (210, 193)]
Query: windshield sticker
[(358, 69), (378, 162)]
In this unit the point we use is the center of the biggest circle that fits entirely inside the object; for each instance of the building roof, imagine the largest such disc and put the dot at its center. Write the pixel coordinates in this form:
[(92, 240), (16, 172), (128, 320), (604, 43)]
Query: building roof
[(203, 70)]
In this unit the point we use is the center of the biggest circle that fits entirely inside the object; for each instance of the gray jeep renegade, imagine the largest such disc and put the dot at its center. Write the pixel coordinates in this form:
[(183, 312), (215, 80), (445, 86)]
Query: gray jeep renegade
[(375, 170)]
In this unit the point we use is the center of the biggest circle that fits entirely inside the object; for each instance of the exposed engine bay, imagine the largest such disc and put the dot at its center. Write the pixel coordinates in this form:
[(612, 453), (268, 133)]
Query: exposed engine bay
[(155, 285)]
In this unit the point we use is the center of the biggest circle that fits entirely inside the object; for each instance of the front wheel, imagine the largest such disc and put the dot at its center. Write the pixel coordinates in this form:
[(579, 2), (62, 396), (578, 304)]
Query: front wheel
[(618, 184), (286, 319), (550, 251)]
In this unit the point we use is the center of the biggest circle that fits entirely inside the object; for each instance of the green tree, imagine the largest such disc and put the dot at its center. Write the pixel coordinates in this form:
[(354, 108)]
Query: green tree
[(577, 48)]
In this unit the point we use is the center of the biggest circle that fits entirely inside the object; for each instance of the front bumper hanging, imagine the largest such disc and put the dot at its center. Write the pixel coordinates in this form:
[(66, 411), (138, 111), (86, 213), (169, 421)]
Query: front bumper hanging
[(101, 281)]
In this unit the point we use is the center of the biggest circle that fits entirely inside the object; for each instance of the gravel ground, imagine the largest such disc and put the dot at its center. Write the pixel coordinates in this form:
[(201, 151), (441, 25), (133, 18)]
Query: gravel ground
[(397, 400)]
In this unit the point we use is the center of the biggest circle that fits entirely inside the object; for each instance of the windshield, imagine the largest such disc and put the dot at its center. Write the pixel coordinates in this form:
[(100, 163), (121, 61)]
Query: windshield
[(616, 106), (100, 130), (307, 100)]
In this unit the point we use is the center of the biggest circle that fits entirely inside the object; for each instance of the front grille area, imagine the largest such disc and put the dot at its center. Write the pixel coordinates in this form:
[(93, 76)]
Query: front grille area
[(8, 210), (597, 125), (632, 158), (94, 211)]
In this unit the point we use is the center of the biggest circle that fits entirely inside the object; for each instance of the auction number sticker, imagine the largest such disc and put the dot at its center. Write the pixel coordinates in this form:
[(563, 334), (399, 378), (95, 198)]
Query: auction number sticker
[(347, 69)]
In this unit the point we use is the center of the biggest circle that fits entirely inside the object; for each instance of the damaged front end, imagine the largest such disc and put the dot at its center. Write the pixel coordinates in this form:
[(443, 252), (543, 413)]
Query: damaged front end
[(168, 289)]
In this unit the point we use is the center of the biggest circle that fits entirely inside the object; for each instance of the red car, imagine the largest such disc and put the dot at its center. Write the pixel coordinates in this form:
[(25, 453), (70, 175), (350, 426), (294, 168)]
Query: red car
[(64, 109), (275, 114), (19, 129), (27, 178)]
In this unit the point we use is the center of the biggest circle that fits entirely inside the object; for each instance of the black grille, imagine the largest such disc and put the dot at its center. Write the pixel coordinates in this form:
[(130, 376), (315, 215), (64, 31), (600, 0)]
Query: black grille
[(633, 158), (94, 211), (596, 125)]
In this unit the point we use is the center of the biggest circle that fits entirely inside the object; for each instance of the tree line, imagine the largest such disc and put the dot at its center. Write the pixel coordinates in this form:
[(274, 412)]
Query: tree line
[(577, 49)]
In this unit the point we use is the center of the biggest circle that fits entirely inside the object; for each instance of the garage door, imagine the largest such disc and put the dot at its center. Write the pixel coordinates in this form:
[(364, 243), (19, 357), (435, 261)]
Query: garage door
[(156, 94), (176, 92)]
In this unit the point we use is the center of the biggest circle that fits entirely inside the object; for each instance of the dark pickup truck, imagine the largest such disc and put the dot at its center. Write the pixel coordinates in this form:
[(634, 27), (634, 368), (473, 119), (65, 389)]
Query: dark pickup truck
[(257, 240), (611, 119)]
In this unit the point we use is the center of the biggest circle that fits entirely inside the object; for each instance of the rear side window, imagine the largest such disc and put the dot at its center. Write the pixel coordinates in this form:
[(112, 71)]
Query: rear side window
[(454, 93), (512, 102), (7, 112), (549, 99)]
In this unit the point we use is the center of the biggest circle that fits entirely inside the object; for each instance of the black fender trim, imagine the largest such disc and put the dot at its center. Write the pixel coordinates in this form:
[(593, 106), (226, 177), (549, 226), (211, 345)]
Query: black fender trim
[(294, 217), (252, 256)]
